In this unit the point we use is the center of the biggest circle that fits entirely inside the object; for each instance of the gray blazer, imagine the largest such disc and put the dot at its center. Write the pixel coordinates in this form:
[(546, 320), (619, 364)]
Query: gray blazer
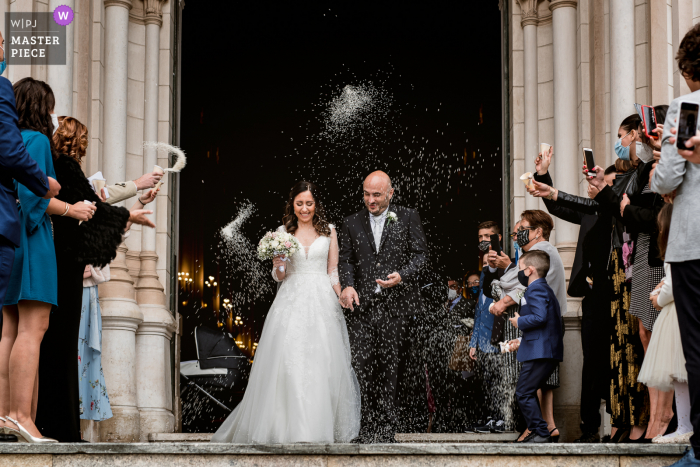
[(674, 172)]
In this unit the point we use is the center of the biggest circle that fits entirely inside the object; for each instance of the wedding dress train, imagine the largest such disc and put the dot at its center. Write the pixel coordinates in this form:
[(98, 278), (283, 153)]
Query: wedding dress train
[(302, 387)]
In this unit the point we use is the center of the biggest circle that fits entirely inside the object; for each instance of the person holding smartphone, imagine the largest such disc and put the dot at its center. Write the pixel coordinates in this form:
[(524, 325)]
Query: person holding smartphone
[(638, 212), (678, 171)]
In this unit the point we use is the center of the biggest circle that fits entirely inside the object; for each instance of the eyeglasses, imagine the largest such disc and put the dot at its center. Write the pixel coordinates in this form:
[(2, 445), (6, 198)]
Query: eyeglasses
[(473, 283), (523, 229), (453, 286)]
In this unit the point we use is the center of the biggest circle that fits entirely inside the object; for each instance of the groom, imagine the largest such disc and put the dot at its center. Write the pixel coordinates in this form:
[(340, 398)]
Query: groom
[(383, 247)]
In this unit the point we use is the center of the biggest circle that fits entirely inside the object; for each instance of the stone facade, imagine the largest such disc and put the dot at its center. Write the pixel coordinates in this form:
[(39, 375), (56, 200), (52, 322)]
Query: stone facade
[(121, 81), (574, 69)]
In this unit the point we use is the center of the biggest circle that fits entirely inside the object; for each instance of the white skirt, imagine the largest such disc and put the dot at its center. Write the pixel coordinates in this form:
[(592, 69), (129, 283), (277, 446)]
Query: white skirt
[(664, 361), (302, 387)]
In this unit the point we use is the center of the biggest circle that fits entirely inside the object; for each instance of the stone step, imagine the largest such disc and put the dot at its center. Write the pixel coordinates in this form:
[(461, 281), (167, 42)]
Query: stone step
[(456, 437), (181, 454), (400, 437)]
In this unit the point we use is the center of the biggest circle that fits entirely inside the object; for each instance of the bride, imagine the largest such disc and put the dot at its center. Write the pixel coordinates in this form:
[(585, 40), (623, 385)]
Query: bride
[(302, 388)]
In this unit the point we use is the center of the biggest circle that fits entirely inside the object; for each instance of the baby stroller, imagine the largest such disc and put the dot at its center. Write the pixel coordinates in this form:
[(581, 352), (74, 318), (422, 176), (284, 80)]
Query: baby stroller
[(214, 384)]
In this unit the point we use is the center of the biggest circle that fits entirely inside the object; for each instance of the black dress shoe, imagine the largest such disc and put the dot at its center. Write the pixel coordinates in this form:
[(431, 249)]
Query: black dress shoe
[(535, 438), (589, 438)]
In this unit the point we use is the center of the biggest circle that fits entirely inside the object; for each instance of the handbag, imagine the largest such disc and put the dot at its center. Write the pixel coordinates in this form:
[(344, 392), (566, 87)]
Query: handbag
[(460, 361)]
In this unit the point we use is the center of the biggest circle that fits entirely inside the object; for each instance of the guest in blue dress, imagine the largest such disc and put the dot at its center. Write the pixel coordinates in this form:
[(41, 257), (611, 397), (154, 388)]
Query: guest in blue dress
[(32, 289)]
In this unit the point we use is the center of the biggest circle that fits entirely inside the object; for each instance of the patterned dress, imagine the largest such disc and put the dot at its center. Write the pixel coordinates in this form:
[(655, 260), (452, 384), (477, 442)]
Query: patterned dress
[(628, 398), (94, 401), (645, 278)]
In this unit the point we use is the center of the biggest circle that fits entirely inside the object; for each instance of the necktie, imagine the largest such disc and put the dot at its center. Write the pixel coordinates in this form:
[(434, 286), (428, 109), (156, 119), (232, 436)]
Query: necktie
[(377, 231)]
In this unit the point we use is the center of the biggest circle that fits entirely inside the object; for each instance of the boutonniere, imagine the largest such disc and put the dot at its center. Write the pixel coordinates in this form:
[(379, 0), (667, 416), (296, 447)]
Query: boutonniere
[(391, 217)]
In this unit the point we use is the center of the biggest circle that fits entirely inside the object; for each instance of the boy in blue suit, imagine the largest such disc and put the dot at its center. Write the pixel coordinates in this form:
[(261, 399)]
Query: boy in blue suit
[(542, 344)]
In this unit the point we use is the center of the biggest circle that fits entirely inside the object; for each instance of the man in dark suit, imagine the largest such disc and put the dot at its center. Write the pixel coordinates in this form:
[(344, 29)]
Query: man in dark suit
[(15, 162), (383, 249), (542, 344)]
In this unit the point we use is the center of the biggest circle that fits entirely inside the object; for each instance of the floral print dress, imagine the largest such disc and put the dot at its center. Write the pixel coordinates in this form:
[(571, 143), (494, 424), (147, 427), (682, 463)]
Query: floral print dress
[(94, 401)]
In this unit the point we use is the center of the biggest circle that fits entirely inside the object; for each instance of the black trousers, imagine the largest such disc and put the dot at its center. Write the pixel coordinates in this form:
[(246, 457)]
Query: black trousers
[(533, 375), (595, 344), (379, 346), (686, 290), (58, 409)]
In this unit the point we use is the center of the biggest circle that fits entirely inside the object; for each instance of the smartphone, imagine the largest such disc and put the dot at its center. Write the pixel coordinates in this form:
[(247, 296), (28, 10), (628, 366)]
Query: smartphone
[(496, 244), (649, 120), (588, 160), (687, 124)]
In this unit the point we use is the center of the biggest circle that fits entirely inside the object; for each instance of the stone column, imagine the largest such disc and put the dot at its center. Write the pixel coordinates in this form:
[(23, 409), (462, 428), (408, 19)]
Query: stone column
[(566, 175), (154, 334), (529, 24), (120, 313), (622, 70), (682, 22), (60, 78)]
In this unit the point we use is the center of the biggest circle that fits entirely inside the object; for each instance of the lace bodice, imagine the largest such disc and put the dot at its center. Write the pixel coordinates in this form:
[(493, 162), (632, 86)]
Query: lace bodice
[(321, 257)]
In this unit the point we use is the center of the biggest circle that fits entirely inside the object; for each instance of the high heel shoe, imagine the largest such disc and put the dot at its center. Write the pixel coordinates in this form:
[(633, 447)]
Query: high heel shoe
[(5, 435), (621, 436), (555, 439), (24, 434), (641, 440)]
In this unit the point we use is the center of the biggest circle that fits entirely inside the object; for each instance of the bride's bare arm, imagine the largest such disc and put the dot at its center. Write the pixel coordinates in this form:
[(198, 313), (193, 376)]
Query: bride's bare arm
[(333, 256)]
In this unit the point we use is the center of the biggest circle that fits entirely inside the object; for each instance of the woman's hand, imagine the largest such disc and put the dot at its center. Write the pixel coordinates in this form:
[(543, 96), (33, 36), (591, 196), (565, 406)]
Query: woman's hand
[(542, 190), (623, 204), (658, 131), (149, 196), (81, 211), (472, 353), (139, 217), (598, 180), (543, 160), (278, 261), (655, 302)]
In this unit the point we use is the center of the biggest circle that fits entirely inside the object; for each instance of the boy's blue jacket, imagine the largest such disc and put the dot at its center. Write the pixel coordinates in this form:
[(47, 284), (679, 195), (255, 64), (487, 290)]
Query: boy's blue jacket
[(541, 324)]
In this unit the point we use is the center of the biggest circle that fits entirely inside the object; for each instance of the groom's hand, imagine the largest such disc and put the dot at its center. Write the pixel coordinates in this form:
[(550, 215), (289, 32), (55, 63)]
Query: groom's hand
[(393, 280), (347, 298)]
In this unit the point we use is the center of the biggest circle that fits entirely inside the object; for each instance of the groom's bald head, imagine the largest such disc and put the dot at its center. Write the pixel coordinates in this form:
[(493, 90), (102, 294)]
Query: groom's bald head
[(377, 192)]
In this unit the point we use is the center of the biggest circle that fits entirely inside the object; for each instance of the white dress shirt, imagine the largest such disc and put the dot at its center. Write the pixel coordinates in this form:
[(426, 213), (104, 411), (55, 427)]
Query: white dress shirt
[(377, 224)]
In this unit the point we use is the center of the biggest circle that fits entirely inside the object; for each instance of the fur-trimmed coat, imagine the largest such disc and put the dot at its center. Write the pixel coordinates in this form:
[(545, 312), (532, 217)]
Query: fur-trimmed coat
[(95, 241)]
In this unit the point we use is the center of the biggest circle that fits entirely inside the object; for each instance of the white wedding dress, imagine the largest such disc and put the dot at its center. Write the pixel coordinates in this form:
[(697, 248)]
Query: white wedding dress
[(302, 388)]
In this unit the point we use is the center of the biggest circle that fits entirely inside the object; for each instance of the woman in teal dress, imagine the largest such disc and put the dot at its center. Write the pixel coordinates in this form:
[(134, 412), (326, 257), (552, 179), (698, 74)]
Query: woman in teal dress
[(33, 283)]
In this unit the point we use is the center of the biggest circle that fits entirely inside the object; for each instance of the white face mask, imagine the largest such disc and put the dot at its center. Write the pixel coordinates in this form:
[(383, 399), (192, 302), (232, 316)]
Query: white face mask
[(451, 294), (54, 120), (644, 152)]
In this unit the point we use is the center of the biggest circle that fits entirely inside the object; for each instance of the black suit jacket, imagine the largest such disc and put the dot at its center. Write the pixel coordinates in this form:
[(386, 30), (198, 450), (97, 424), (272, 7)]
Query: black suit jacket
[(403, 249)]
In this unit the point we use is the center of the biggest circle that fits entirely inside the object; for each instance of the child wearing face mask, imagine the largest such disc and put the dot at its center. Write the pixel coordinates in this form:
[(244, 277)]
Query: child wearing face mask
[(542, 344)]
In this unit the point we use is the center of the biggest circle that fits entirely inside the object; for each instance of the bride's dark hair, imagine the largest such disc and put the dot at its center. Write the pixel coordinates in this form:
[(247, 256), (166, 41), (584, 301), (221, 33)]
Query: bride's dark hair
[(319, 221)]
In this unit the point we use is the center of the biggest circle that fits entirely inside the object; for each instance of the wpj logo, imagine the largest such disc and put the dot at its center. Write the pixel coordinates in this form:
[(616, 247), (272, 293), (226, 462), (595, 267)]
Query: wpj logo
[(37, 38)]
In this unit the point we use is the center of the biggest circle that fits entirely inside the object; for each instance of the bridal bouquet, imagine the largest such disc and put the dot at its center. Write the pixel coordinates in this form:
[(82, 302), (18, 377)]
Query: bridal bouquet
[(276, 244)]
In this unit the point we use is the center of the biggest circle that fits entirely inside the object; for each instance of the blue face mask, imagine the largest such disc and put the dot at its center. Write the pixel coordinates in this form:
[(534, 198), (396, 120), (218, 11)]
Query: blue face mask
[(516, 251), (623, 152), (474, 290)]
